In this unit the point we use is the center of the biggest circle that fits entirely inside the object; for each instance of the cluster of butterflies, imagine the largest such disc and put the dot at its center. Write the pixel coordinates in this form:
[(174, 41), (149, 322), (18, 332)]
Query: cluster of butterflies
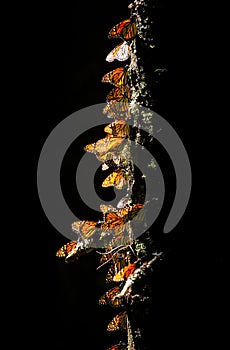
[(115, 222), (118, 98), (121, 268), (112, 150)]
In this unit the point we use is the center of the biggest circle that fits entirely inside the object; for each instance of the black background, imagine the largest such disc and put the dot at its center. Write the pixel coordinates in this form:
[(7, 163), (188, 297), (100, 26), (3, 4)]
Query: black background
[(65, 51)]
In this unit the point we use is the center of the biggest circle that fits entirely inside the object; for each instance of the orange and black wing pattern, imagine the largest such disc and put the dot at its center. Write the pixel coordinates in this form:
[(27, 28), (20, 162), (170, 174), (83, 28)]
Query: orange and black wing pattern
[(73, 250), (117, 77), (118, 102), (105, 145), (126, 30), (118, 128), (125, 214), (112, 220), (117, 178), (119, 94), (66, 249), (119, 346), (121, 53), (118, 261), (119, 322), (119, 217), (117, 110), (85, 228), (124, 273), (109, 298)]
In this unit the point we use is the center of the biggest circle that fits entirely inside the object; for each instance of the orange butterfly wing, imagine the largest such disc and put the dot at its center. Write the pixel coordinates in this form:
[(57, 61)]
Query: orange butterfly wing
[(86, 228), (119, 346), (66, 249), (118, 129), (119, 94), (73, 250), (124, 273), (117, 179), (117, 77), (126, 30), (103, 146), (117, 219), (118, 261), (112, 220), (129, 212), (117, 110), (119, 322), (118, 102), (109, 297)]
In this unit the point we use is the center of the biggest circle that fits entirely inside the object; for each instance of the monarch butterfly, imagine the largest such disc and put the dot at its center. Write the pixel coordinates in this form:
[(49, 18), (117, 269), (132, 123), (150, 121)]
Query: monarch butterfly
[(127, 213), (117, 110), (126, 30), (112, 221), (119, 261), (119, 322), (117, 178), (119, 346), (124, 273), (109, 297), (118, 102), (103, 146), (85, 228), (73, 250), (119, 94), (121, 53), (117, 77)]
